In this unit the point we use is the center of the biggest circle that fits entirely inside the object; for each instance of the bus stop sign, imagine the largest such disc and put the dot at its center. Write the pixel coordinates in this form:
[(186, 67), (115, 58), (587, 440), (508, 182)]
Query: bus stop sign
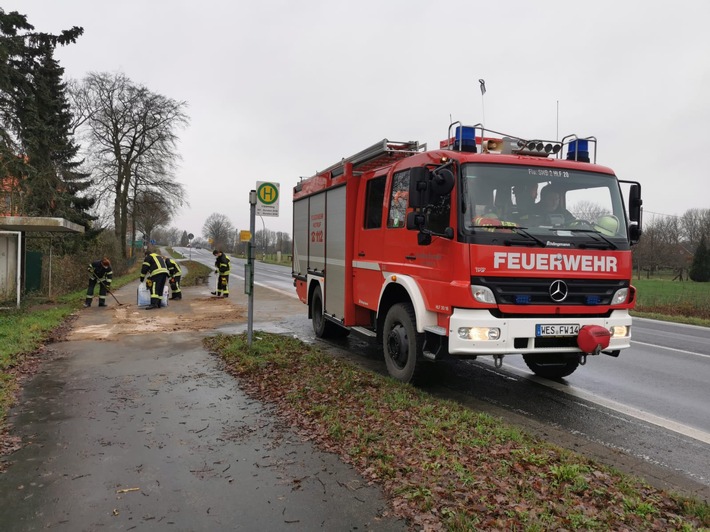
[(267, 198)]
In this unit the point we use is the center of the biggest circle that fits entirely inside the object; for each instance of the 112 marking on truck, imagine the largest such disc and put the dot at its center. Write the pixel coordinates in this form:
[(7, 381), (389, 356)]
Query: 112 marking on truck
[(464, 250)]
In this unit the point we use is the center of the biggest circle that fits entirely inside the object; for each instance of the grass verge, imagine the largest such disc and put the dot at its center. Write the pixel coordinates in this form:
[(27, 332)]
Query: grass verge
[(24, 330), (443, 465), (197, 273)]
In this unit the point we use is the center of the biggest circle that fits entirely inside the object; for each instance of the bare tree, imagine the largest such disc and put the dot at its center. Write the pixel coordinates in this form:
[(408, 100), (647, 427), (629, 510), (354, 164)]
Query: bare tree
[(219, 230), (132, 138), (646, 252), (283, 243), (662, 247), (695, 224), (158, 192), (150, 212), (168, 237), (263, 240), (587, 210), (173, 236)]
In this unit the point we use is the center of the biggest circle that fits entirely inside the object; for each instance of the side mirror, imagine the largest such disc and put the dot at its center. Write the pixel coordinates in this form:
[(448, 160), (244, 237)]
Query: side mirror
[(419, 187), (424, 239), (426, 186), (442, 182), (635, 202), (415, 220)]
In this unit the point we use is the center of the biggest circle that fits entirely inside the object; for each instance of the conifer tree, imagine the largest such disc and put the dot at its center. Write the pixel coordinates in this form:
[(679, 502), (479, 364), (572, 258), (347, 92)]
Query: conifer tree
[(37, 139), (700, 268)]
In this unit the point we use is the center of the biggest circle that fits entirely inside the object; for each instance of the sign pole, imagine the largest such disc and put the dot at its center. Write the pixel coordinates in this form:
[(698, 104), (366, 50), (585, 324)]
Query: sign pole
[(264, 201), (249, 274)]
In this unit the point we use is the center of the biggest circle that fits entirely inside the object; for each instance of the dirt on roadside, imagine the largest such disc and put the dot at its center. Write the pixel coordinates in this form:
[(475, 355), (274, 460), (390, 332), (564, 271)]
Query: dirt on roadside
[(190, 314)]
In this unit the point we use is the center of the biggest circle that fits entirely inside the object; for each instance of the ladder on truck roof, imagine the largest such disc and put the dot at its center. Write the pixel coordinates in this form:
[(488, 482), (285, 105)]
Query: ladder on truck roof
[(382, 153)]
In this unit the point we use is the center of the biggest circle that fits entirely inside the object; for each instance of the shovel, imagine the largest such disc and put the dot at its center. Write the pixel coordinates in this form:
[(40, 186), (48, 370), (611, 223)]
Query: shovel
[(107, 289)]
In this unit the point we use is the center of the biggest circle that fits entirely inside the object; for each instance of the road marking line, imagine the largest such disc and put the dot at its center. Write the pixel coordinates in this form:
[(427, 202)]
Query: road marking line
[(653, 419), (283, 292), (671, 349)]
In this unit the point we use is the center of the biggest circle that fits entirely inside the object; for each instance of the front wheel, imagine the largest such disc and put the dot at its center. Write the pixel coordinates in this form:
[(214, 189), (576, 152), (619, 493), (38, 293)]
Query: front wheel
[(553, 366), (402, 344)]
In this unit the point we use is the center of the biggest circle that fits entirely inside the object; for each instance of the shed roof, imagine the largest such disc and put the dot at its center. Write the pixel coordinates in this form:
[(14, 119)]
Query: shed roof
[(39, 224)]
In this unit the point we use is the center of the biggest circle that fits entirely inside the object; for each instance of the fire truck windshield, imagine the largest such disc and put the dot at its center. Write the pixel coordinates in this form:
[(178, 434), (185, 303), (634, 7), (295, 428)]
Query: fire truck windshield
[(543, 202)]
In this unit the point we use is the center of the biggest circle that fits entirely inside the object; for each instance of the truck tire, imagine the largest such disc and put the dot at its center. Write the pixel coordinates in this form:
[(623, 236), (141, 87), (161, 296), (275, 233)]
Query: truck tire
[(551, 366), (322, 326), (320, 323), (403, 345)]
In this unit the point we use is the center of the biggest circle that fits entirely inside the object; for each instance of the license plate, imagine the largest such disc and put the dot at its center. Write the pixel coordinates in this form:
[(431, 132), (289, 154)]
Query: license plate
[(566, 329)]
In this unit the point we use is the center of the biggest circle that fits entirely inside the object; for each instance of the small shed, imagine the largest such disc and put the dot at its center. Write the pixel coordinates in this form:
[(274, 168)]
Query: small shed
[(12, 260)]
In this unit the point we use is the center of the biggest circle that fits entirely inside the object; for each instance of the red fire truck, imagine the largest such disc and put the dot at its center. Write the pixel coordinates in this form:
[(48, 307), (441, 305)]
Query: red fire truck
[(490, 245)]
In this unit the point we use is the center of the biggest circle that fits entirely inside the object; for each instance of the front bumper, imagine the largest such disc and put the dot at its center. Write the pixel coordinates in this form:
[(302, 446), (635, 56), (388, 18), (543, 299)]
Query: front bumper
[(517, 335)]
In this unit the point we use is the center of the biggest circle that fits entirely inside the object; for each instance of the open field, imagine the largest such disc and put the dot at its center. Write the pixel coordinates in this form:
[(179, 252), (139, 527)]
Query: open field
[(682, 301)]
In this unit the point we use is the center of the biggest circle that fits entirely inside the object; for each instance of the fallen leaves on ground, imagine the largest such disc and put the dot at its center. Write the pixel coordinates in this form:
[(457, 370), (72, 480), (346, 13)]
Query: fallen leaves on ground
[(443, 467)]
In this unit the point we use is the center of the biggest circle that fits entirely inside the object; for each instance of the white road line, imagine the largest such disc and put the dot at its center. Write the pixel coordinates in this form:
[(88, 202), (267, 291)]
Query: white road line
[(668, 424), (283, 292), (671, 349)]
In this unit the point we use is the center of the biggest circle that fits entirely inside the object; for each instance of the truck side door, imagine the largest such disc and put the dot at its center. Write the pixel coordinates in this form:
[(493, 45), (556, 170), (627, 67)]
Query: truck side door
[(369, 235)]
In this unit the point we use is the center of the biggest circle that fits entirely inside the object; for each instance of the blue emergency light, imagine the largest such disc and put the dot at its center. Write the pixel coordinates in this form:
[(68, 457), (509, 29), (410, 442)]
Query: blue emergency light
[(578, 150), (465, 138)]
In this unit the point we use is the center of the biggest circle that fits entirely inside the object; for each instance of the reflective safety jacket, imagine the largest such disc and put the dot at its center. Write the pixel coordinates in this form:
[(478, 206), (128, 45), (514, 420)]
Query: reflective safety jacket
[(153, 264), (173, 267), (222, 264), (103, 274)]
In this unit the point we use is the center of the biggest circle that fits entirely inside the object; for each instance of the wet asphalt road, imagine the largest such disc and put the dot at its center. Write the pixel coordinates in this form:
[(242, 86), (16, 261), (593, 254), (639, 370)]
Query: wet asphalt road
[(146, 432)]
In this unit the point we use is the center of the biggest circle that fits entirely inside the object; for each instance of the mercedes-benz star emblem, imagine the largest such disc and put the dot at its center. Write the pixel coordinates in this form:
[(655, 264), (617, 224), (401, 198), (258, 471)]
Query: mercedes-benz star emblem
[(558, 291)]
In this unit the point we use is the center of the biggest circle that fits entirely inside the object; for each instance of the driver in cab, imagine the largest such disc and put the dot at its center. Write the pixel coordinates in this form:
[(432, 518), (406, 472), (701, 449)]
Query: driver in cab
[(550, 206)]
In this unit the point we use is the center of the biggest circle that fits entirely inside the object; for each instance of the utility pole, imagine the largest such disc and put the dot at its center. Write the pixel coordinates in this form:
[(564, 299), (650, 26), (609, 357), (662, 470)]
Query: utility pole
[(263, 238), (249, 269)]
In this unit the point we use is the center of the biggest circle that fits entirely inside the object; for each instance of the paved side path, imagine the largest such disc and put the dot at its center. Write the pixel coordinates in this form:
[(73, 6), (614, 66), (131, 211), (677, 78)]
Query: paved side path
[(146, 432)]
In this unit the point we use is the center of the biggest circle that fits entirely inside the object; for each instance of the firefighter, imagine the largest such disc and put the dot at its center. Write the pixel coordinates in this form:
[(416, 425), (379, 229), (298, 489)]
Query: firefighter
[(99, 272), (154, 268), (487, 221), (221, 265), (524, 211), (550, 204), (525, 196), (175, 274)]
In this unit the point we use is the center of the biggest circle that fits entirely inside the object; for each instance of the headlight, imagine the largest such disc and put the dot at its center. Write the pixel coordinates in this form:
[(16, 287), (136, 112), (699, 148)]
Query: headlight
[(620, 296), (479, 334), (483, 294), (619, 331)]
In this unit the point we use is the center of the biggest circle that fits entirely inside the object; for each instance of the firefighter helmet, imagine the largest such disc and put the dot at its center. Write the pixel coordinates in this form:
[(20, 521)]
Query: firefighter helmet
[(607, 225)]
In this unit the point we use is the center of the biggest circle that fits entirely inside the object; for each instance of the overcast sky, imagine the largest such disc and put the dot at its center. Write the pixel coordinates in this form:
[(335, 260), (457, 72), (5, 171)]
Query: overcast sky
[(281, 89)]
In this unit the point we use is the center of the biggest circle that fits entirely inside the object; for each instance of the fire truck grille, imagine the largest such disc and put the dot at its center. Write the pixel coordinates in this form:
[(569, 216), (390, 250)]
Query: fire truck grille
[(517, 291)]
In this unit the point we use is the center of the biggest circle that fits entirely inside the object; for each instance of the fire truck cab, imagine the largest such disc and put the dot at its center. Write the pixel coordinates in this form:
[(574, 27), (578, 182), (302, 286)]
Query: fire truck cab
[(491, 245)]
